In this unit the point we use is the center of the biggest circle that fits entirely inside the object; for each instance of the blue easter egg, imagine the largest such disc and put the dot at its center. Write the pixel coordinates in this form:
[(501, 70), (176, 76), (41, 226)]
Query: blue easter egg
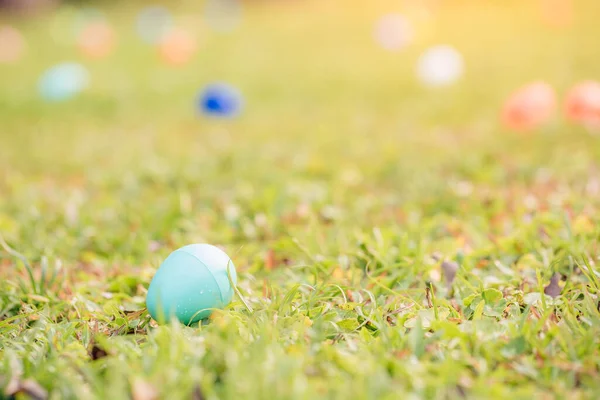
[(220, 100), (153, 23), (191, 282), (63, 81)]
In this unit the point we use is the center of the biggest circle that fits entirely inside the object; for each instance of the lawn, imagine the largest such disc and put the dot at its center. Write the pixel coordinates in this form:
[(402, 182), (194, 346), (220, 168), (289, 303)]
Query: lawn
[(392, 241)]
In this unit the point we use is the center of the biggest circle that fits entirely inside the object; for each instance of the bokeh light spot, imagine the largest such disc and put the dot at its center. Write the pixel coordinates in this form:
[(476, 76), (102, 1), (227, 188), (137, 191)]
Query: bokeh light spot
[(63, 81), (582, 104), (220, 100), (96, 39), (393, 32), (177, 47), (12, 45), (529, 107), (440, 66)]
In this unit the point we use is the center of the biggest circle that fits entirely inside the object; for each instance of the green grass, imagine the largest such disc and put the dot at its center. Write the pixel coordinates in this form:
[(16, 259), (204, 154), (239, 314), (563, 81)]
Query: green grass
[(342, 194)]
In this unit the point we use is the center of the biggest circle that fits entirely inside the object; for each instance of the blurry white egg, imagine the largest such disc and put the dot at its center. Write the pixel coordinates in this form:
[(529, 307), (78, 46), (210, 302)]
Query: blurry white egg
[(440, 66)]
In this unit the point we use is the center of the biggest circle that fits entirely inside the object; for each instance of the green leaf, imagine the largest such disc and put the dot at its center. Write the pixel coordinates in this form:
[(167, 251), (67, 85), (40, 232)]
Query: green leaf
[(348, 325), (124, 284), (514, 347), (448, 330), (492, 311), (365, 335), (479, 310), (491, 295), (416, 339), (467, 301)]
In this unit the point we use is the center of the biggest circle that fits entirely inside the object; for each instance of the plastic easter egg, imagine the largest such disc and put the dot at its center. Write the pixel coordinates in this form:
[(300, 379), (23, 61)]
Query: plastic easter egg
[(63, 82), (393, 32), (153, 23), (582, 104), (190, 283), (557, 13), (220, 100), (440, 66), (12, 45), (529, 107), (96, 39), (177, 47)]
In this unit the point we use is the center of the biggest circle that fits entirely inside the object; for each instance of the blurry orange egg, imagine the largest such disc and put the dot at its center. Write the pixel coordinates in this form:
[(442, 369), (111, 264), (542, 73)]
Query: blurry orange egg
[(12, 44), (177, 47), (97, 39), (557, 12), (582, 104), (529, 107)]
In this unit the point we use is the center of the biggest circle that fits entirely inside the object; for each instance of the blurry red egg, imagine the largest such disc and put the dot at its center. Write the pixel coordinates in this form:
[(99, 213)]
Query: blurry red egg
[(529, 107), (97, 39), (582, 104), (12, 44), (177, 47)]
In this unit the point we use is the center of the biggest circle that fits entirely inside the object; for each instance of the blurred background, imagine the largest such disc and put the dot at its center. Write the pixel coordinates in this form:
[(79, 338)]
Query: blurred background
[(254, 86), (360, 141)]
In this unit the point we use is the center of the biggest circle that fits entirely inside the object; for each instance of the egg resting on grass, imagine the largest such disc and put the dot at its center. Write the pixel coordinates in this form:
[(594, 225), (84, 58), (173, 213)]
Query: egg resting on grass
[(582, 104), (190, 283), (177, 47), (440, 65), (63, 81), (529, 107), (220, 100)]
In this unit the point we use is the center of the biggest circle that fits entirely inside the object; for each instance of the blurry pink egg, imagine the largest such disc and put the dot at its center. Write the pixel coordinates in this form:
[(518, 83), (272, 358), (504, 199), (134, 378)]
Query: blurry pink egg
[(12, 45), (393, 32), (177, 47), (582, 104), (529, 107), (96, 39)]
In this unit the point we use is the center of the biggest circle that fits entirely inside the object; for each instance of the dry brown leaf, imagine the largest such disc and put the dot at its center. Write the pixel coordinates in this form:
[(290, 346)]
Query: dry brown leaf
[(197, 394), (270, 260), (449, 268), (553, 290), (28, 387)]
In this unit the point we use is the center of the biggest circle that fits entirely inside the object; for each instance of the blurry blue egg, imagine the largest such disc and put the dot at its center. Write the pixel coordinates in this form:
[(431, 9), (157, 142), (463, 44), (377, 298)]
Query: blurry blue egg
[(153, 23), (63, 81), (220, 100), (191, 282)]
